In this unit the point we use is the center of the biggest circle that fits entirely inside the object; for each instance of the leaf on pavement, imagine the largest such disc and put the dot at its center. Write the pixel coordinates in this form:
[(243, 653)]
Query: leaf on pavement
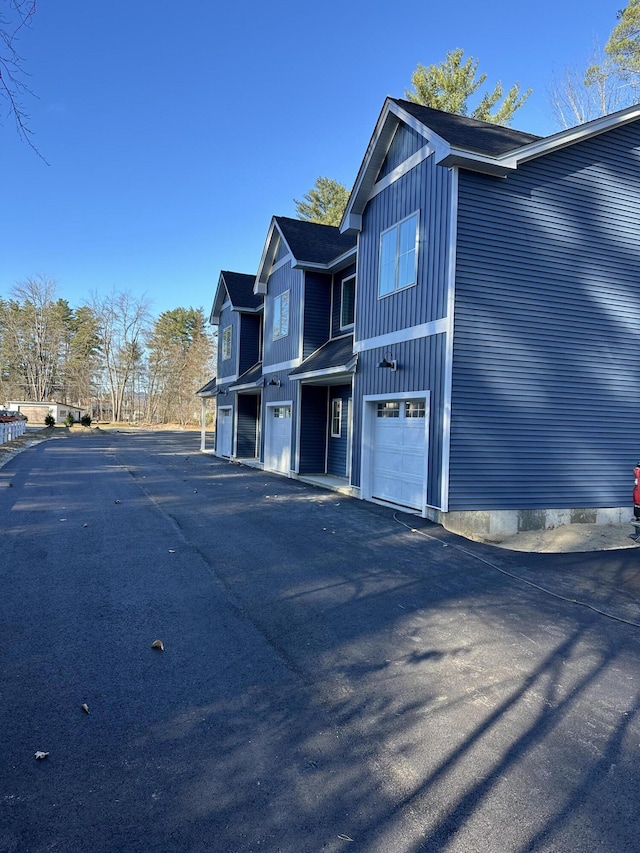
[(40, 755), (85, 707), (158, 644)]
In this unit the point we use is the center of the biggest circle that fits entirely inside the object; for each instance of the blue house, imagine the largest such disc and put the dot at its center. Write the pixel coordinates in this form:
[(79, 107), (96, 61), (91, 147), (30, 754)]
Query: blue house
[(237, 387), (497, 319), (306, 277)]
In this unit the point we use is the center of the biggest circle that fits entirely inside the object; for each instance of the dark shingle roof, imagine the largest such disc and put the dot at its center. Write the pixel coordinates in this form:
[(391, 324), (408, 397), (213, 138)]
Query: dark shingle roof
[(208, 389), (468, 133), (312, 242), (251, 376), (336, 353), (240, 289)]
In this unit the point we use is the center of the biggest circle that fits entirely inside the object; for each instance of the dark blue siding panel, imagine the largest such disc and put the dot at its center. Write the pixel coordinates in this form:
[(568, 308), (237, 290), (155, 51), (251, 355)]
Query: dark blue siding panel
[(288, 348), (405, 142), (313, 421), (317, 311), (338, 278), (229, 367), (248, 406), (545, 404), (249, 341), (426, 188), (337, 447), (421, 367)]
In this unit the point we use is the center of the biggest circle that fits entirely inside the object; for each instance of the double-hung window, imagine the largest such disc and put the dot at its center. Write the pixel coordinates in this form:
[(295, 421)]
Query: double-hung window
[(281, 315), (398, 256), (226, 342)]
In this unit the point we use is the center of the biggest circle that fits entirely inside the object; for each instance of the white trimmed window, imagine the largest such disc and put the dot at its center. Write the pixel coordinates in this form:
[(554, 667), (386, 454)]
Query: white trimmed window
[(347, 302), (281, 316), (226, 342), (336, 418), (398, 256)]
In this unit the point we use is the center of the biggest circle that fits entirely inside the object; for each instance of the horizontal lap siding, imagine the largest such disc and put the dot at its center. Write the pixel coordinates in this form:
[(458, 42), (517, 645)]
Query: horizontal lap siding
[(425, 188), (421, 366), (247, 425), (545, 409), (313, 429)]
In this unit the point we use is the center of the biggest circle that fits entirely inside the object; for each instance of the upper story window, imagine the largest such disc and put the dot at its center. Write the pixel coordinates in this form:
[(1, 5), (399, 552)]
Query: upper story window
[(398, 256), (281, 316), (347, 302), (226, 342)]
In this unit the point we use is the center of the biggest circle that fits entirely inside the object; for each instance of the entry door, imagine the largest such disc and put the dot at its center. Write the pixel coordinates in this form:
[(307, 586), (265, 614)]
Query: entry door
[(277, 455), (399, 464), (223, 441)]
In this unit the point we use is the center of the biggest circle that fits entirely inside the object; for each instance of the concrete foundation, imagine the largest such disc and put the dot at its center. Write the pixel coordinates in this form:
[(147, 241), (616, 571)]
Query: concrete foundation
[(498, 524)]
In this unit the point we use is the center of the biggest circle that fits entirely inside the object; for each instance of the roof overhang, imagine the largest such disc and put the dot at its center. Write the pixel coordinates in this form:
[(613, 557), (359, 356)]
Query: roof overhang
[(219, 299), (342, 261), (328, 375), (449, 156), (268, 254)]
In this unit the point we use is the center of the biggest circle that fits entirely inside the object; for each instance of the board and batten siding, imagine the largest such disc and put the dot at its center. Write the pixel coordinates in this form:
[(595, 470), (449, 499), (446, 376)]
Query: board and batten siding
[(406, 141), (425, 188), (229, 366), (336, 306), (546, 368), (287, 348), (249, 341), (421, 367), (317, 311)]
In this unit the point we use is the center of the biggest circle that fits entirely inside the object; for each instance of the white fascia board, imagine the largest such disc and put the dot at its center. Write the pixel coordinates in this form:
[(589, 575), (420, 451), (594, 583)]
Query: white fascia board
[(232, 377), (220, 299), (410, 333), (265, 261), (564, 138), (476, 162), (327, 371), (371, 163)]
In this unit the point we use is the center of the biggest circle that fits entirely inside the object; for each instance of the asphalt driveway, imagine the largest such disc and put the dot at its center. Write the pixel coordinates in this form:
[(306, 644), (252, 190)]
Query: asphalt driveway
[(335, 676)]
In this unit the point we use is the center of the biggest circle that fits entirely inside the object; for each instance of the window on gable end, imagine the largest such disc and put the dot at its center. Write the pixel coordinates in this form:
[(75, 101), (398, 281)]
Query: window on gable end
[(226, 342), (347, 302), (281, 315), (398, 256)]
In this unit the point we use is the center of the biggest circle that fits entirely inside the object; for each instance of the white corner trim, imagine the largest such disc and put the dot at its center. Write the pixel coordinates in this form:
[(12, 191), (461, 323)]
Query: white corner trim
[(448, 365), (410, 333)]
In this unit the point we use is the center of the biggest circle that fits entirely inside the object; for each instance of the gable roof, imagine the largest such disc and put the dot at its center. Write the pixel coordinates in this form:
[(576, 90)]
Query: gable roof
[(237, 287), (309, 245), (483, 137), (460, 141)]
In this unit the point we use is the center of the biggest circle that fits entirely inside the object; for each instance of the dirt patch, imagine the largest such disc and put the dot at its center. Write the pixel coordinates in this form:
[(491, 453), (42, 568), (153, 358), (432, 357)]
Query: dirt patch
[(570, 538)]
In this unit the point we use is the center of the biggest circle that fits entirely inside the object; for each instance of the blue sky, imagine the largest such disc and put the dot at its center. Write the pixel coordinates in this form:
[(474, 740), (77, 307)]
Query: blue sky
[(174, 132)]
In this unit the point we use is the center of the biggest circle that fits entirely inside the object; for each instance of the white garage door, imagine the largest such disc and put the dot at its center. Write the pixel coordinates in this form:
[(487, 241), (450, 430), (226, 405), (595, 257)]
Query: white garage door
[(399, 465), (277, 450), (223, 442)]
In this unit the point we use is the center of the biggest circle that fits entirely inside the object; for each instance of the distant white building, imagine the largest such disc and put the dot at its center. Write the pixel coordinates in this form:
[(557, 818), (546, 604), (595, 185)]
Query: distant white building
[(37, 412)]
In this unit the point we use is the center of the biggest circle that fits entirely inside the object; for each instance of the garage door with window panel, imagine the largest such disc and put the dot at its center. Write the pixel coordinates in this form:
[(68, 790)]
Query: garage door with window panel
[(399, 458), (277, 454)]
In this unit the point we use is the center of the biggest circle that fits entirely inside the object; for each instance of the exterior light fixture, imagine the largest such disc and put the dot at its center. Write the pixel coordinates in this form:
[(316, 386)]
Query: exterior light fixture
[(389, 362), (275, 382)]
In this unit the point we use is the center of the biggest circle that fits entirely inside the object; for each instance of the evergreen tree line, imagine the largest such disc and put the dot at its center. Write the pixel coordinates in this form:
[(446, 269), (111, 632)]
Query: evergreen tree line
[(110, 355)]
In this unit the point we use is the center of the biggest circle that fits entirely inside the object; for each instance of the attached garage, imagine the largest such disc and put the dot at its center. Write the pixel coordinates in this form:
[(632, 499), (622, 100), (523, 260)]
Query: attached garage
[(277, 440), (394, 450), (224, 430)]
